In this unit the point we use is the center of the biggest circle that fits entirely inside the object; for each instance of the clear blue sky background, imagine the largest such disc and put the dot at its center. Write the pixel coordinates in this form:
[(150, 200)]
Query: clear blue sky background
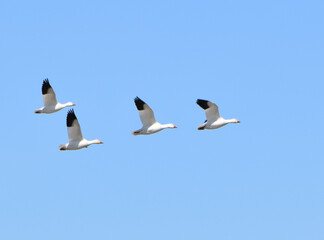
[(260, 61)]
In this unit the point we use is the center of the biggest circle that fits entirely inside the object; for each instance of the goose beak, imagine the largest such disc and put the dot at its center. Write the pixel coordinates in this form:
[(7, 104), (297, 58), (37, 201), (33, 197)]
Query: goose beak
[(100, 142), (175, 126)]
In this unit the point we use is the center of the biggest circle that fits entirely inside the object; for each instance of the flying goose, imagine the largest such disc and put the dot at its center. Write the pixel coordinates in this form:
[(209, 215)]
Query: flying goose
[(150, 125), (214, 120), (76, 141), (49, 98)]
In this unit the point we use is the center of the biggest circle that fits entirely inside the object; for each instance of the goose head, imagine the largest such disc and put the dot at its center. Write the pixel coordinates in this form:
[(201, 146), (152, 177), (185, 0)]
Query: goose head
[(170, 125), (97, 141), (70, 104)]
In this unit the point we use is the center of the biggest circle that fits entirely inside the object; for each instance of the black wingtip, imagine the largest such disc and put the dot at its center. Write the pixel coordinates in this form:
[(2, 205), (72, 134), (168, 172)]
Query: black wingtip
[(46, 85), (70, 118), (139, 103), (202, 103)]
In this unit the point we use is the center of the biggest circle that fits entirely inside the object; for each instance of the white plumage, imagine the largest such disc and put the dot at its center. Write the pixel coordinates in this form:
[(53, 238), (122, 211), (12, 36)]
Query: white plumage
[(150, 125), (214, 120), (76, 140), (49, 98)]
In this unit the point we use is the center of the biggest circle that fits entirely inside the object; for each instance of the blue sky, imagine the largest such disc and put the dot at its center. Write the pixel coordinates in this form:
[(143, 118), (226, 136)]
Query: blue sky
[(260, 61)]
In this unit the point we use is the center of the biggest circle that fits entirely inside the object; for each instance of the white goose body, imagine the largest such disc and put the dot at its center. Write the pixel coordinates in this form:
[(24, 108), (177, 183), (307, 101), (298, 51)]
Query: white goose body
[(54, 108), (214, 120), (51, 105), (76, 140), (154, 128), (150, 125), (75, 145)]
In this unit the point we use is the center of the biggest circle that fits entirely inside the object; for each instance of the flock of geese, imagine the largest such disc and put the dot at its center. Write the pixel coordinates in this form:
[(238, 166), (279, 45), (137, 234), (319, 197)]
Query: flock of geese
[(150, 125)]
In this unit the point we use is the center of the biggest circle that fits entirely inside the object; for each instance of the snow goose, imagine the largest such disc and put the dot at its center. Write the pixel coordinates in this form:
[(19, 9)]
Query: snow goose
[(214, 120), (76, 141), (49, 98), (150, 125)]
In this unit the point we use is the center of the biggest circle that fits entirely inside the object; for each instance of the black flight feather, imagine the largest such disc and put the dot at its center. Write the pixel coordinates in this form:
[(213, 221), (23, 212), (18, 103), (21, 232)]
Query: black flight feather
[(70, 118), (203, 103), (139, 103), (46, 85)]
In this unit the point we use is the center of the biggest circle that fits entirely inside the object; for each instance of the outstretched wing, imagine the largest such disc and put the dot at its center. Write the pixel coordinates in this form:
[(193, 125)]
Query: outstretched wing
[(73, 126), (211, 109), (49, 97), (145, 112)]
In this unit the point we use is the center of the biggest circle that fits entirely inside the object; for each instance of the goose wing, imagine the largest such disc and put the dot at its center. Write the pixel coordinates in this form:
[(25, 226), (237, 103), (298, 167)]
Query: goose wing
[(49, 97), (73, 126), (145, 112), (211, 109)]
